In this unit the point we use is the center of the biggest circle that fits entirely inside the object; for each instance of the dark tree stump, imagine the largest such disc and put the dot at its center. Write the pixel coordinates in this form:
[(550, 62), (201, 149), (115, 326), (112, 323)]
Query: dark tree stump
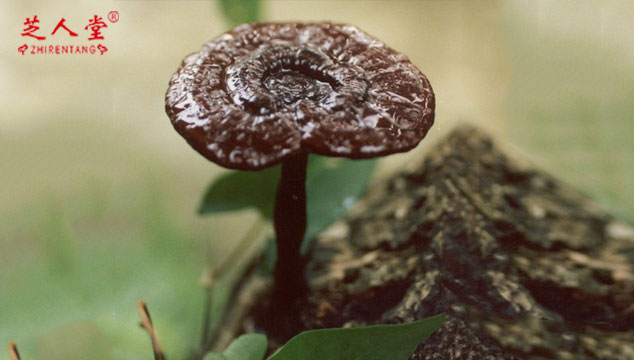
[(525, 267)]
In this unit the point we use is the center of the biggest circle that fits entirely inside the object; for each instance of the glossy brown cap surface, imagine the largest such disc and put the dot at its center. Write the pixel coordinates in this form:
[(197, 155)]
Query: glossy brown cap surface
[(260, 93)]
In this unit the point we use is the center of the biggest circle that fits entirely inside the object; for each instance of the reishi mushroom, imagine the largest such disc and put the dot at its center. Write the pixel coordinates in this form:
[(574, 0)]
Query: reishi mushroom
[(270, 93)]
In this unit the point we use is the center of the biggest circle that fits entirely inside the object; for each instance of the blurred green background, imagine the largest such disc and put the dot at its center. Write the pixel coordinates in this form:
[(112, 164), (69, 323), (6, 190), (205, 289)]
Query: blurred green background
[(98, 193)]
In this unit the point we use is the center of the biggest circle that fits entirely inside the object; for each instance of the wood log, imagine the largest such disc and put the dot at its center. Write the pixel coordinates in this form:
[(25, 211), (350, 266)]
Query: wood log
[(524, 266)]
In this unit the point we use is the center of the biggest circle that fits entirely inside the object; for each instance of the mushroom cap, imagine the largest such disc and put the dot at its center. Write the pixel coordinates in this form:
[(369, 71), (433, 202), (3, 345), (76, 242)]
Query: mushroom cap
[(263, 92)]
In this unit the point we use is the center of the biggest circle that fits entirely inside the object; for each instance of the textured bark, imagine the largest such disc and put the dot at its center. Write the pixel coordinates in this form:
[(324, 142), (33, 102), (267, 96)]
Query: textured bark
[(525, 267)]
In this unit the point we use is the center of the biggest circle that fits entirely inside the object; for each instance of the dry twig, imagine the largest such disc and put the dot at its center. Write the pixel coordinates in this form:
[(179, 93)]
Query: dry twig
[(146, 323), (13, 351)]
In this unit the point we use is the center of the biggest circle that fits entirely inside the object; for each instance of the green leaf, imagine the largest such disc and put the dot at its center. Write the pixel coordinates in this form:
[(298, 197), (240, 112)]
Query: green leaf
[(240, 11), (377, 342), (214, 356), (237, 190), (246, 347), (332, 186)]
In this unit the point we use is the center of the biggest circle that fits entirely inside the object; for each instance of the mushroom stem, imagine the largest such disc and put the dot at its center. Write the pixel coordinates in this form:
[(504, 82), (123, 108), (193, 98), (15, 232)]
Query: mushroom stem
[(290, 226)]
